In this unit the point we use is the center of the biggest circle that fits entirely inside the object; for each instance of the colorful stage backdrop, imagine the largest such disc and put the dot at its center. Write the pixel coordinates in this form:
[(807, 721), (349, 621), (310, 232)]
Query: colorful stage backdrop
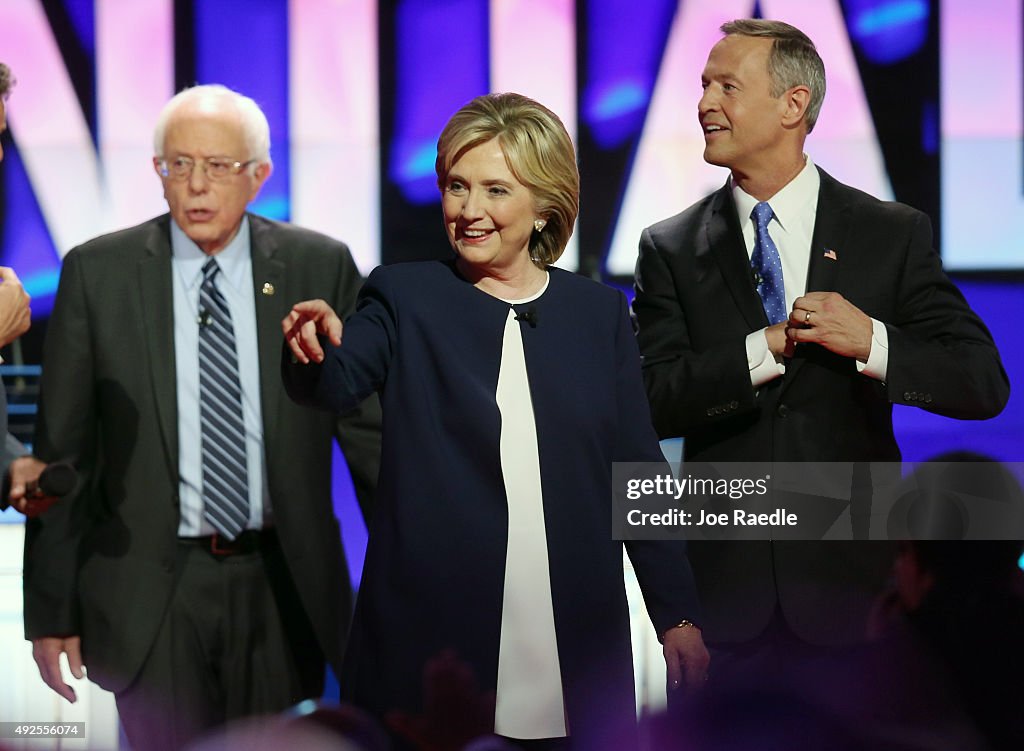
[(925, 104)]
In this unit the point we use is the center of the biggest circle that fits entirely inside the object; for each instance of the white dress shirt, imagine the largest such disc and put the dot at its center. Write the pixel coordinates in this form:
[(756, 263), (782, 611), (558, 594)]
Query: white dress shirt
[(235, 283), (792, 229)]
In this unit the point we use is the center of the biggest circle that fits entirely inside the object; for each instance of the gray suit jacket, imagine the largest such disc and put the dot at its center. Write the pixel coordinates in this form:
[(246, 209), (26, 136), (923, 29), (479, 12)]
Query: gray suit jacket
[(102, 564)]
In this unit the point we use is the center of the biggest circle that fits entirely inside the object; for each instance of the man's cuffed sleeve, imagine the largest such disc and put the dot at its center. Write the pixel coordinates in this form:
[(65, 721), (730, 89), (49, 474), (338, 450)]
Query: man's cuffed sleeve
[(878, 357), (760, 360)]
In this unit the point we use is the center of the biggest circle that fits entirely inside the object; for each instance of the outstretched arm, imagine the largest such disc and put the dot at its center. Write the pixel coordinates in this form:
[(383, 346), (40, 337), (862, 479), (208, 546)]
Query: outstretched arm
[(304, 324)]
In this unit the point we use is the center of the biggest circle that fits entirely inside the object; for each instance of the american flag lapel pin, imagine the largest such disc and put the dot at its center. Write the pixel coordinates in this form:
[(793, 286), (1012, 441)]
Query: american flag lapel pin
[(831, 254)]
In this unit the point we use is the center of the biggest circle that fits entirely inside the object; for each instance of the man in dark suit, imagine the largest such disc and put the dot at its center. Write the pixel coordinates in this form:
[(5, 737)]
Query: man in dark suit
[(780, 318), (199, 574)]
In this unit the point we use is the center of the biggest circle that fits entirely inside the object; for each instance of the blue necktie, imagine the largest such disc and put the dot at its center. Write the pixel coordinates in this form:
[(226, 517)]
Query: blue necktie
[(768, 266), (225, 477)]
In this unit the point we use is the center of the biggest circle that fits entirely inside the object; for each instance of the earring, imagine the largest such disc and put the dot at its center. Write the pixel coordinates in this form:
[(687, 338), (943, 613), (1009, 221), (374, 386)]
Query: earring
[(538, 224)]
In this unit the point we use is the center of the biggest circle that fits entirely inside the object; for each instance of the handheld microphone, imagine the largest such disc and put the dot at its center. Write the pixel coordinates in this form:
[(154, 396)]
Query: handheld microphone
[(57, 480), (529, 315)]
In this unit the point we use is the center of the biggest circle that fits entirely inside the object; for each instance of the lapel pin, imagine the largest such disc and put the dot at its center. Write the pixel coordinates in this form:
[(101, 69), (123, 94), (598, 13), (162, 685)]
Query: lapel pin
[(831, 255), (268, 288)]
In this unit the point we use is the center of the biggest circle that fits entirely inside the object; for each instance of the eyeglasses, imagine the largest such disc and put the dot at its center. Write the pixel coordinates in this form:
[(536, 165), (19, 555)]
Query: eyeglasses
[(180, 168)]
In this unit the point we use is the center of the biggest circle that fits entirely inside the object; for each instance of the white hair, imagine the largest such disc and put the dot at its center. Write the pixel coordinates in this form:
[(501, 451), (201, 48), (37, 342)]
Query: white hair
[(255, 127)]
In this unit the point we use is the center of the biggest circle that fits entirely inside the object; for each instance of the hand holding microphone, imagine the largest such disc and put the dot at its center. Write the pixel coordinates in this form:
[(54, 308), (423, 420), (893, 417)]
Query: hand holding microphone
[(35, 485)]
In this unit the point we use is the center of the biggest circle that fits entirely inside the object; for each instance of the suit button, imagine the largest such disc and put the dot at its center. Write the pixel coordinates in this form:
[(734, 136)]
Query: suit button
[(734, 404), (167, 566), (927, 398), (782, 410), (710, 412), (906, 396)]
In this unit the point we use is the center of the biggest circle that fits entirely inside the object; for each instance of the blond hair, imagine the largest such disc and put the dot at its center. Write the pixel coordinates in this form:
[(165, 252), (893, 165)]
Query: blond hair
[(538, 152)]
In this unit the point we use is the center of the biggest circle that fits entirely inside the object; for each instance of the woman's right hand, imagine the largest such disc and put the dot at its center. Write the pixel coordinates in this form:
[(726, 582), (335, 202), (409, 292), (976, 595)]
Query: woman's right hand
[(301, 326)]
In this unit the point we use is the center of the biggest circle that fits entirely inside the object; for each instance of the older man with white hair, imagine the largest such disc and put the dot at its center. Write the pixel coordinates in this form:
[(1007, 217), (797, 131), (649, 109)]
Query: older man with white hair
[(199, 573)]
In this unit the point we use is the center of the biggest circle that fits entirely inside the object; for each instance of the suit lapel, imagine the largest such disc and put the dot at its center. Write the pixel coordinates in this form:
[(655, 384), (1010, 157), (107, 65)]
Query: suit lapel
[(157, 306), (828, 248), (831, 229), (725, 243), (272, 303)]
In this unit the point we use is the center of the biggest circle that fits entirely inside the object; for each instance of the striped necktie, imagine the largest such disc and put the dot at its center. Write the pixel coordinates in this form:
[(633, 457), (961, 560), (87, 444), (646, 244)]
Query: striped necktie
[(767, 265), (225, 476)]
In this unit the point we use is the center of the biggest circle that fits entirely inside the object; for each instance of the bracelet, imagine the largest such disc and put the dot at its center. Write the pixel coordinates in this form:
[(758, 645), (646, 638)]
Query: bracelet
[(685, 623)]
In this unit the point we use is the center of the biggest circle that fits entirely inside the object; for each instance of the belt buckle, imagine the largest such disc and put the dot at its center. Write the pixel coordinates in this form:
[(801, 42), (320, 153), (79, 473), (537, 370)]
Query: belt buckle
[(221, 547)]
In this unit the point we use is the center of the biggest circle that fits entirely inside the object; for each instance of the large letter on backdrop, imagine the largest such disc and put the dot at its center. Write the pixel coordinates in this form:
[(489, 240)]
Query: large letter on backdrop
[(129, 99), (81, 194), (533, 52), (335, 179)]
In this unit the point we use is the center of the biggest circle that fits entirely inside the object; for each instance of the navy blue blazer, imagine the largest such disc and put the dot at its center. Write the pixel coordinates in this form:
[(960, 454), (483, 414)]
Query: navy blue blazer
[(430, 342)]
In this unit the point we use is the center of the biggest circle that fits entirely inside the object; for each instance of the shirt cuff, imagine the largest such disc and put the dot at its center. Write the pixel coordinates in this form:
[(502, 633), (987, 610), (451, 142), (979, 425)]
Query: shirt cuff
[(761, 362), (877, 365)]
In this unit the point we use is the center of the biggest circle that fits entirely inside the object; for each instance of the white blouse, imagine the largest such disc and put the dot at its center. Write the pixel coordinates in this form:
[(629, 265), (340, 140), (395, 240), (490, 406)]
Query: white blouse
[(529, 695)]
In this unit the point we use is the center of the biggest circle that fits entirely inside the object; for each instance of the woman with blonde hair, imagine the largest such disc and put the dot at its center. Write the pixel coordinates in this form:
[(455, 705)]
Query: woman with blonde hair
[(509, 388)]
